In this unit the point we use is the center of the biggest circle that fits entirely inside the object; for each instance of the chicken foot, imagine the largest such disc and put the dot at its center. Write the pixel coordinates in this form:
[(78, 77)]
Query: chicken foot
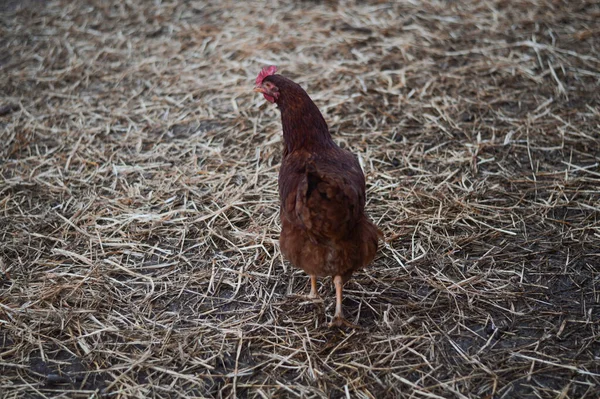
[(338, 318), (314, 294)]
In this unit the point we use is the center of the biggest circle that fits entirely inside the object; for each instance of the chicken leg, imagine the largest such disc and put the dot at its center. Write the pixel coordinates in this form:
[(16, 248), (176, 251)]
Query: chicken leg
[(314, 295), (338, 318)]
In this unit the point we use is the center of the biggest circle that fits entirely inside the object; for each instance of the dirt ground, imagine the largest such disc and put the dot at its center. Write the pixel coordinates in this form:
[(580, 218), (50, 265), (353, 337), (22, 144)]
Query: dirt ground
[(139, 208)]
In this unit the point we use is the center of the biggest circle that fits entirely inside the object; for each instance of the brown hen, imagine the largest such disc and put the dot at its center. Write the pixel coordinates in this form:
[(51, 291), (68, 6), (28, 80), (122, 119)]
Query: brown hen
[(324, 229)]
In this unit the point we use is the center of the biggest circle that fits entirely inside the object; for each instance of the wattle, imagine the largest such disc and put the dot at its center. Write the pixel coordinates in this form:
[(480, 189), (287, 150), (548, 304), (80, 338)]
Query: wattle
[(269, 98)]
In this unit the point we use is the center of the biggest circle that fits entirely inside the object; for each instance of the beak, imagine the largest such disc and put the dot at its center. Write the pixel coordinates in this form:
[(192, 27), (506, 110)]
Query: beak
[(259, 89)]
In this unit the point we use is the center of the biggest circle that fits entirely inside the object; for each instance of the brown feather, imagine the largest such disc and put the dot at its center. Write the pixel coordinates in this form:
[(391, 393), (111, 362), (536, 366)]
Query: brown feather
[(325, 231)]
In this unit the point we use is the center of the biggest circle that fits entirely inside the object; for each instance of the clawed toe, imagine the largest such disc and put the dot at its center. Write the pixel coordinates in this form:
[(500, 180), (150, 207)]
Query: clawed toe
[(313, 297), (340, 322), (307, 298)]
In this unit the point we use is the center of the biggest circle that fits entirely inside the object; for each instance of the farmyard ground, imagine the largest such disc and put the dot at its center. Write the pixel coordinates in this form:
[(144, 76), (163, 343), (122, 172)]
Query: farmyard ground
[(139, 208)]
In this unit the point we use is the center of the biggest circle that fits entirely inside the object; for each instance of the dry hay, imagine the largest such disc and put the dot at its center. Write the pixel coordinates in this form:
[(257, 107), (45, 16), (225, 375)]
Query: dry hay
[(139, 209)]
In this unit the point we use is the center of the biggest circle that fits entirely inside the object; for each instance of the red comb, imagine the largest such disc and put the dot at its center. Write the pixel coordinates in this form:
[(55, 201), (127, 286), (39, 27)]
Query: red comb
[(266, 71)]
